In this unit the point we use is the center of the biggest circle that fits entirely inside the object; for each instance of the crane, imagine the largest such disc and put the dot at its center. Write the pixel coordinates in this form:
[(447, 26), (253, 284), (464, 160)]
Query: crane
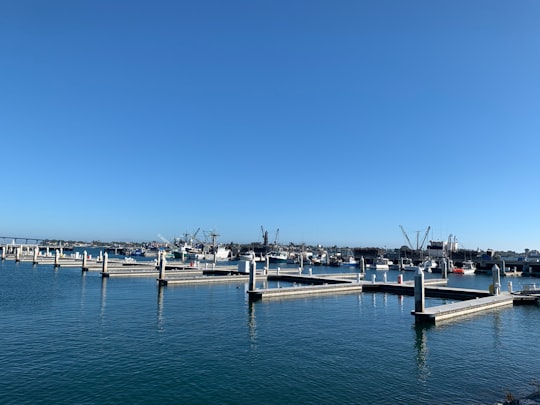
[(406, 237), (419, 246)]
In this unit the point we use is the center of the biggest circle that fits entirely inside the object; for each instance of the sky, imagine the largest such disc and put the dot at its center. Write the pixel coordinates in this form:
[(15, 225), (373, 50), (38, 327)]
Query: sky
[(334, 122)]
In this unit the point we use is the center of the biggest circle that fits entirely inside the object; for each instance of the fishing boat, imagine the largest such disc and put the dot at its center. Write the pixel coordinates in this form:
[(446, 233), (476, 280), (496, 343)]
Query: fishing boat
[(349, 262), (381, 263), (467, 267), (277, 256), (219, 253)]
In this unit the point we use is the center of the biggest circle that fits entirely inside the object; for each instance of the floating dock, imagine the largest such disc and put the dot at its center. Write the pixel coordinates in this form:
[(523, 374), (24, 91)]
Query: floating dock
[(457, 309)]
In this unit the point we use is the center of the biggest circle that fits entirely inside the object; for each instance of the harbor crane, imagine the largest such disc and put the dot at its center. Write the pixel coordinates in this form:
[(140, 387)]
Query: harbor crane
[(419, 246)]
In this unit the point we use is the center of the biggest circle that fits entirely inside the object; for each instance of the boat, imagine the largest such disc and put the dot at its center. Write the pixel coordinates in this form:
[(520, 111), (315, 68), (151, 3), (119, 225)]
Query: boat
[(220, 253), (467, 267), (414, 267), (248, 255), (277, 256), (349, 262), (381, 263)]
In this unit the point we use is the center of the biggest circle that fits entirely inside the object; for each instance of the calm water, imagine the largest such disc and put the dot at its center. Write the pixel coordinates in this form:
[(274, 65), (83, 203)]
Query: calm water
[(72, 338)]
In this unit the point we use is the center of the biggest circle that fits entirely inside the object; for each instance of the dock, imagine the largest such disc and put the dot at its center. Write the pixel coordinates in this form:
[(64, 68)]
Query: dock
[(302, 284), (458, 309)]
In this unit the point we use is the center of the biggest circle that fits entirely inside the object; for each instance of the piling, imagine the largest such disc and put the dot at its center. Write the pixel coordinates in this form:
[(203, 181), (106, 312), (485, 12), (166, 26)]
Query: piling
[(373, 278), (384, 278), (510, 287), (362, 265), (444, 268), (104, 272), (84, 264), (252, 276), (36, 251), (419, 292), (3, 253), (56, 258), (162, 264), (17, 254), (495, 271)]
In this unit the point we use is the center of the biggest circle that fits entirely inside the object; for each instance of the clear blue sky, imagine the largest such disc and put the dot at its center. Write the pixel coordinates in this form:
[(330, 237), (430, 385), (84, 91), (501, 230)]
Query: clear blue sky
[(334, 121)]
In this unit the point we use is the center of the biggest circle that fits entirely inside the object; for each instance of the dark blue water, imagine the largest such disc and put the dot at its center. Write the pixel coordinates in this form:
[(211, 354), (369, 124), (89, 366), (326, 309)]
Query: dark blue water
[(68, 337)]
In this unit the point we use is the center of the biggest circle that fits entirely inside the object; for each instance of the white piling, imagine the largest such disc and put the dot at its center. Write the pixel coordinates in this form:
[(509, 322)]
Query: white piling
[(277, 271), (299, 271), (384, 278), (495, 271), (510, 287), (419, 293), (444, 268), (310, 271), (105, 263), (17, 254), (362, 265), (253, 276), (3, 253), (373, 278), (56, 258), (162, 264), (36, 251), (84, 259), (358, 278)]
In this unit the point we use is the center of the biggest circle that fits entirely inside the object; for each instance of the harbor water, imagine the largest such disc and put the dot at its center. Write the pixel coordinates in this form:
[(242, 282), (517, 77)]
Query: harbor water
[(69, 337)]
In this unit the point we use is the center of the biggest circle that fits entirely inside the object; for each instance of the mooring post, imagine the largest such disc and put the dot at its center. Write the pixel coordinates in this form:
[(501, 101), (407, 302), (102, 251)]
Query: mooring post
[(84, 264), (252, 276), (362, 265), (268, 264), (162, 263), (17, 254), (384, 277), (419, 293), (510, 287), (401, 263), (444, 268), (105, 264), (310, 271), (56, 258), (3, 253), (36, 251), (277, 271), (495, 271), (373, 278), (100, 258)]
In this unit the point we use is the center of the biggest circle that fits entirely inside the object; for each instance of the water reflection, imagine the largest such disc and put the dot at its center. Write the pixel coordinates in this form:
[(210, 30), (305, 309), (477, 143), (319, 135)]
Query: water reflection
[(422, 366), (160, 323), (83, 288), (252, 325), (103, 295)]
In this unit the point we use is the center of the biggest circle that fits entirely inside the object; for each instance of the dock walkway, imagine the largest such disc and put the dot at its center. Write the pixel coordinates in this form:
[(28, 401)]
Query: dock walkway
[(461, 308)]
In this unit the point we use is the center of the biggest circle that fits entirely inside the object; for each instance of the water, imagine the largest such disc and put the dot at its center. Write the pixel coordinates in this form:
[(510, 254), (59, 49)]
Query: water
[(72, 338)]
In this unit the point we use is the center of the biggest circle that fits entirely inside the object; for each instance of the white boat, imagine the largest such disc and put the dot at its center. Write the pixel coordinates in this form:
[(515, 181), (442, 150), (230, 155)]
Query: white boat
[(221, 253), (382, 263), (468, 267), (414, 267), (350, 262), (278, 256)]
